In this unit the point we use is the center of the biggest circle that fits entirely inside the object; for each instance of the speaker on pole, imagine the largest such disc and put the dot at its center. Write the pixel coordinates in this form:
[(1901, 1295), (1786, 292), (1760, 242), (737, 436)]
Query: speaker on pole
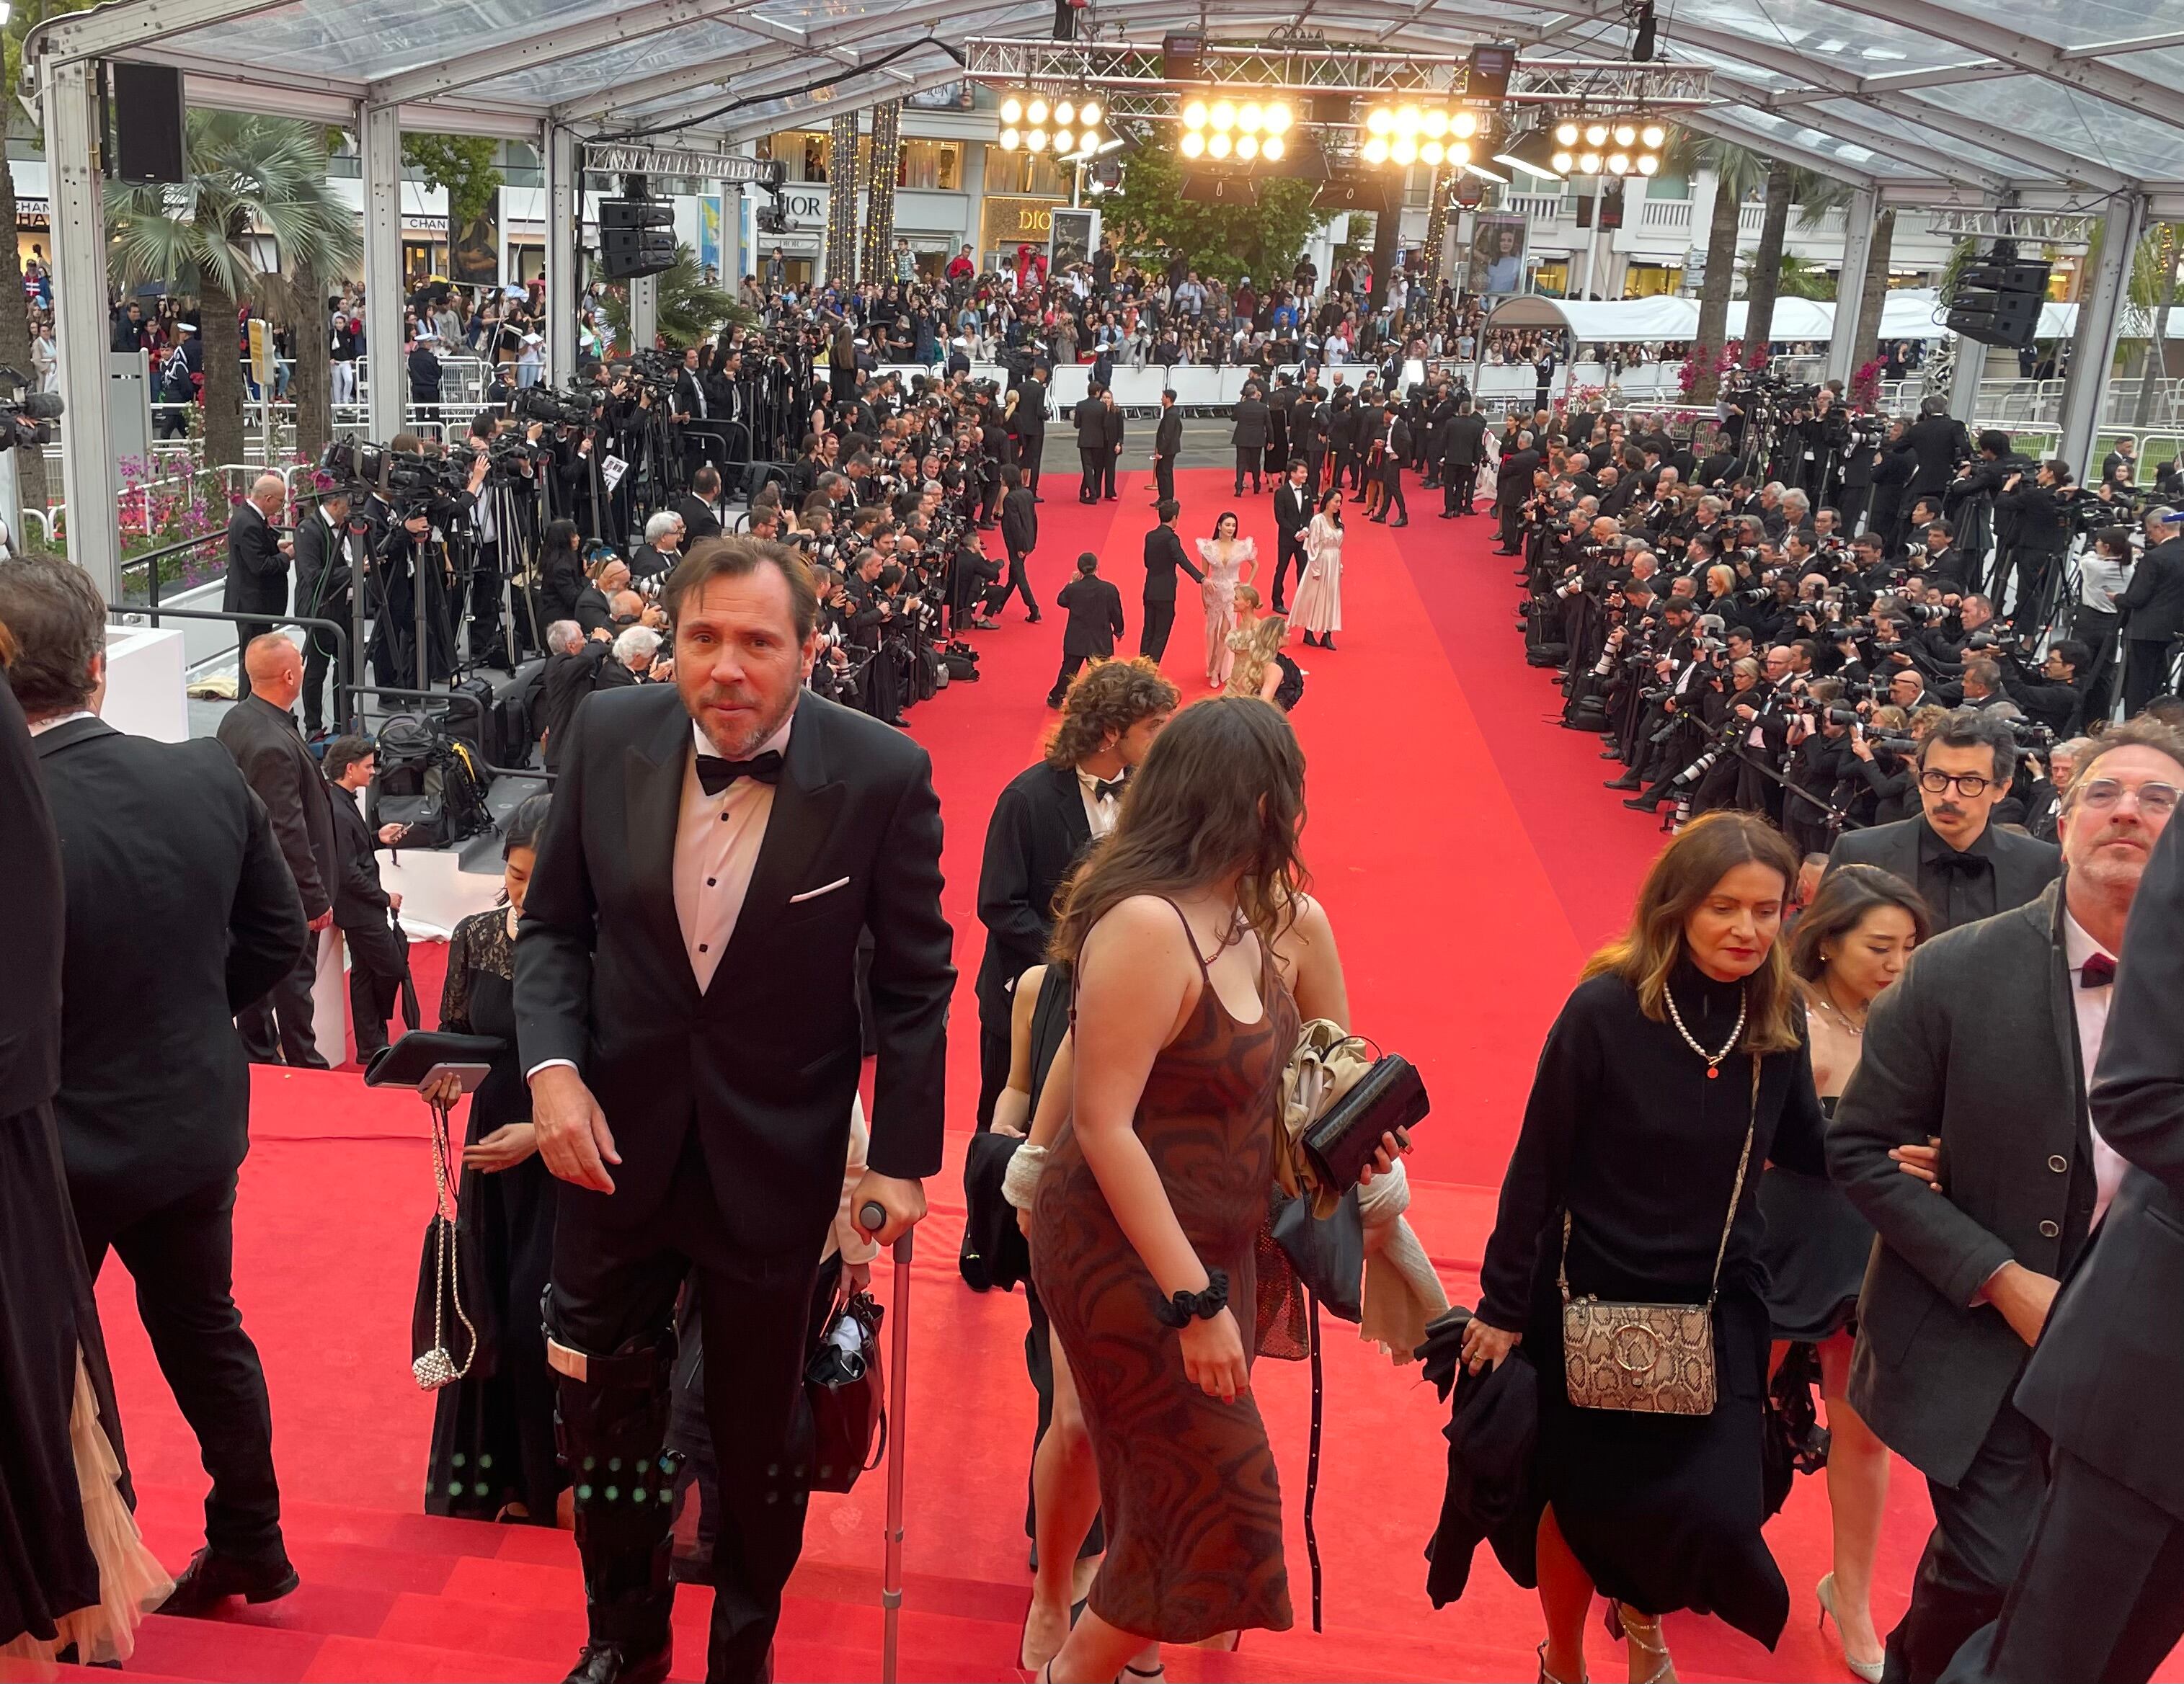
[(144, 122)]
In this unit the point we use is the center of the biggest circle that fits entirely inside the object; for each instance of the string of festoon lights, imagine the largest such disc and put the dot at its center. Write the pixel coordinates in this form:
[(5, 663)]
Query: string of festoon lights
[(1068, 126), (1243, 126)]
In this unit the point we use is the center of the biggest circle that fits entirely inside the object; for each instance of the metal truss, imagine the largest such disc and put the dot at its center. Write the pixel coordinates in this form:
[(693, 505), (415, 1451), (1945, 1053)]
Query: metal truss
[(706, 163), (2039, 227), (1330, 67)]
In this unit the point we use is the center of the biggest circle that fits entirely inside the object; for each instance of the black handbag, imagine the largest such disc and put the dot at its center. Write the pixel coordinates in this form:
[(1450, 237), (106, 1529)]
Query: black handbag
[(847, 1398), (1390, 1095)]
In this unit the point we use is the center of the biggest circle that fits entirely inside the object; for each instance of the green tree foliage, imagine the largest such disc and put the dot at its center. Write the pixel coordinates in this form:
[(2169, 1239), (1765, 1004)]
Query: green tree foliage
[(691, 311), (1150, 218), (1738, 173), (461, 163), (250, 177), (1801, 278)]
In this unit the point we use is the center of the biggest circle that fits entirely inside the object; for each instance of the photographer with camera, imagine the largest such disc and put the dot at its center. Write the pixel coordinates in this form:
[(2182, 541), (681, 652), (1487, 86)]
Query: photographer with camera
[(2040, 514)]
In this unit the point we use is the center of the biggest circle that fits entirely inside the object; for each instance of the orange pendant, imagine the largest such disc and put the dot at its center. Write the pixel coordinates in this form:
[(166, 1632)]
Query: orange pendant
[(1714, 1072)]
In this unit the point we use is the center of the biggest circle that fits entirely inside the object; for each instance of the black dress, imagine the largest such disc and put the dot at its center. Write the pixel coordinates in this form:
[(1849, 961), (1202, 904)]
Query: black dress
[(1624, 1129), (1815, 1250), (493, 1430)]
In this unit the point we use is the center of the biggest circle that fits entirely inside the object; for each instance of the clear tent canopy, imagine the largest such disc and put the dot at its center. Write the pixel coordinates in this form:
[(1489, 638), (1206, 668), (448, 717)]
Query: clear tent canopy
[(2050, 104)]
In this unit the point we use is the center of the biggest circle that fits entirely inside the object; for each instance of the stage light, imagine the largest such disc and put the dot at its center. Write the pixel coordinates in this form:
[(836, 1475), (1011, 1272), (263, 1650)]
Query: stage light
[(1064, 112), (1647, 164), (1379, 122), (1618, 163), (1375, 151), (1464, 125), (1224, 115), (1595, 133), (1564, 162), (1626, 135), (1247, 146), (1250, 117), (1405, 150), (1064, 141), (1194, 114), (1534, 151), (1409, 120), (1588, 163), (1089, 113), (1654, 137), (1459, 154), (1430, 152), (1036, 140), (1278, 118), (1090, 140), (1194, 143), (1437, 124), (1011, 139), (1566, 133), (1036, 111), (1272, 149), (1012, 111), (1219, 146)]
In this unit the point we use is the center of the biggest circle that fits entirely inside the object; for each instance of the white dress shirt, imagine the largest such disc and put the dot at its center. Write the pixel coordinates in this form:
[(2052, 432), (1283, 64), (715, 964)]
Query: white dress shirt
[(2091, 1007), (40, 727), (1100, 812), (716, 844)]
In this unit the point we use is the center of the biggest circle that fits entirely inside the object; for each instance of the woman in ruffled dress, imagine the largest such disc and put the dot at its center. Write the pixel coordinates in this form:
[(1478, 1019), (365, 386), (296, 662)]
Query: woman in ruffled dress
[(1318, 605), (1230, 562)]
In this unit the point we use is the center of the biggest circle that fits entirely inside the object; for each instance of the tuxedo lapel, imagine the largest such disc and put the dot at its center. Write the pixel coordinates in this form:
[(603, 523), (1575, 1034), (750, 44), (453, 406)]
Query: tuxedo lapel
[(807, 803), (1069, 804), (653, 778)]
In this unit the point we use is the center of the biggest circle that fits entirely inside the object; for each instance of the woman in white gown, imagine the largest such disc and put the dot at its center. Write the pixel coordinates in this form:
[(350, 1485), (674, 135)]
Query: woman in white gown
[(1230, 561), (1318, 605)]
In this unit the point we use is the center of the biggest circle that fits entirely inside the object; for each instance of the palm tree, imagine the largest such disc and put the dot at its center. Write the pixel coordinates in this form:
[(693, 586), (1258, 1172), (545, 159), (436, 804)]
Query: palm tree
[(691, 309), (1802, 278), (250, 175), (1737, 171), (1766, 273), (1875, 294)]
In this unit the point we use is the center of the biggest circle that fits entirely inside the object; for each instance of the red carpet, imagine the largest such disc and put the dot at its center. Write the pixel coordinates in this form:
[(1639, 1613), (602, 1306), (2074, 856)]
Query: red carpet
[(1468, 860)]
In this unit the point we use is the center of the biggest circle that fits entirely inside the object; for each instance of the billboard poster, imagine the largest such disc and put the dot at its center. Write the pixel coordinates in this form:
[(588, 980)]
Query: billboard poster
[(708, 237), (1497, 254)]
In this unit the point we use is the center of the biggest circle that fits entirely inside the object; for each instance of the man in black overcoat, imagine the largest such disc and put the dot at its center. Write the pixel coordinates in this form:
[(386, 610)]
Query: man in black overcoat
[(180, 914), (1965, 867), (1984, 1045), (686, 1009)]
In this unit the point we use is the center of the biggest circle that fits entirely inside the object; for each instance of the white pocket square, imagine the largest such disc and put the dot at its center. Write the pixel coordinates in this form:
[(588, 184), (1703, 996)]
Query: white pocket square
[(825, 889)]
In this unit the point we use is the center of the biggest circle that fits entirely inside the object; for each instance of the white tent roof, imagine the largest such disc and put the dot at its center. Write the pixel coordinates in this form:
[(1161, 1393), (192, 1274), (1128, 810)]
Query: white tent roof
[(1906, 313)]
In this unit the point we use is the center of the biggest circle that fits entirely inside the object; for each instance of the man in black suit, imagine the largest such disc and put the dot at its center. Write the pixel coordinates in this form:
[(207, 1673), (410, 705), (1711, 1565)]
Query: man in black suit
[(2100, 1593), (1029, 422), (1163, 556), (325, 577), (1292, 519), (2153, 611), (700, 505), (1044, 819), (1463, 447), (574, 663), (180, 914), (1168, 445), (1248, 436), (1019, 537), (1512, 485), (260, 731), (1089, 418), (257, 562), (362, 906), (1984, 1046), (1395, 452), (595, 602), (686, 1011), (1937, 441), (1965, 868), (1112, 433), (1094, 608)]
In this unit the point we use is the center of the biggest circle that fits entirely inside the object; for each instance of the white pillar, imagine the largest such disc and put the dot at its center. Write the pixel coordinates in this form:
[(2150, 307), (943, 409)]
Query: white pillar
[(565, 209), (80, 331), (643, 312), (2100, 315), (1843, 347), (379, 146)]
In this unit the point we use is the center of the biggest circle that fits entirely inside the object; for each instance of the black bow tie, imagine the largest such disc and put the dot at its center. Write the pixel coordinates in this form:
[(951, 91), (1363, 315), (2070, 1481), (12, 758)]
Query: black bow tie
[(1105, 789), (1965, 865), (2097, 971), (716, 775)]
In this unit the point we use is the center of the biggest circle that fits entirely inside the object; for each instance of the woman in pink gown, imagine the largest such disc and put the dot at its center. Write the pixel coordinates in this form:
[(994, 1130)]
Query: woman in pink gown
[(1229, 561), (1318, 605)]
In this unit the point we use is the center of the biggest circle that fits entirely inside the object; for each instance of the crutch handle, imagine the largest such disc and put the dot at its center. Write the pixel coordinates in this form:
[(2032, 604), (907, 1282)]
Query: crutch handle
[(872, 1217)]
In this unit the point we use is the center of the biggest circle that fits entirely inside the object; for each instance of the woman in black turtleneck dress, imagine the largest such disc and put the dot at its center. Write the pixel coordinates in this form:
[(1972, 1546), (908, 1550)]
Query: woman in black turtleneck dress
[(1636, 1120)]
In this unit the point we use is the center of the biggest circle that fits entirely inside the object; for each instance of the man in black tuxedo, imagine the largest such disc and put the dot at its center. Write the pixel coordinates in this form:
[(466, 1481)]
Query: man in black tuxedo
[(1112, 433), (1094, 608), (1168, 445), (180, 914), (325, 577), (260, 731), (257, 562), (1019, 537), (2152, 604), (1512, 485), (1163, 556), (1089, 418), (1395, 452), (1937, 441), (1463, 447), (1248, 436), (574, 663), (595, 602), (686, 1009), (1029, 422), (1044, 819), (1965, 868), (2101, 1591), (700, 505), (1292, 519), (362, 905), (1984, 1046)]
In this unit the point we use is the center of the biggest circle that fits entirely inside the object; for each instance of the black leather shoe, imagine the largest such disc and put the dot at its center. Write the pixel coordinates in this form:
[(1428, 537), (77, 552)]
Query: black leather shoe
[(1644, 803), (611, 1664), (1611, 754), (211, 1578), (1630, 782), (1405, 521)]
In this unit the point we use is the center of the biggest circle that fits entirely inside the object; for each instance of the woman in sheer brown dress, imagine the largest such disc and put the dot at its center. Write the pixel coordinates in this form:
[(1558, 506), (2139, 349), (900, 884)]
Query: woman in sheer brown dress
[(1187, 930)]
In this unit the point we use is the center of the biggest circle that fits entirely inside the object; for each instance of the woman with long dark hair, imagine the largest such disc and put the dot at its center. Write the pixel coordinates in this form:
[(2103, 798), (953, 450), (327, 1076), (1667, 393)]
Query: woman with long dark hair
[(1191, 941), (1230, 562), (1676, 1069), (1851, 942), (493, 1430)]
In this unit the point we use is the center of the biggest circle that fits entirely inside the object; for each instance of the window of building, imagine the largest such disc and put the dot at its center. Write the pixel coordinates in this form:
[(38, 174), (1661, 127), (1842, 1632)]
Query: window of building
[(1023, 172), (936, 166), (1667, 186), (802, 153), (1552, 278), (1651, 280)]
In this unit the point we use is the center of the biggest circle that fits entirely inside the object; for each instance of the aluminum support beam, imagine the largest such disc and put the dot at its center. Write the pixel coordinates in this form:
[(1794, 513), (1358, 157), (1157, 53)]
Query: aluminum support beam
[(565, 211), (1964, 377), (1843, 347), (1823, 161), (117, 31), (90, 485), (536, 48), (2101, 306), (379, 147), (1897, 81), (643, 313)]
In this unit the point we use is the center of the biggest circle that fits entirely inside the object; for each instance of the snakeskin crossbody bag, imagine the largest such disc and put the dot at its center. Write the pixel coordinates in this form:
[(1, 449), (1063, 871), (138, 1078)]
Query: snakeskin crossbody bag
[(1648, 1359)]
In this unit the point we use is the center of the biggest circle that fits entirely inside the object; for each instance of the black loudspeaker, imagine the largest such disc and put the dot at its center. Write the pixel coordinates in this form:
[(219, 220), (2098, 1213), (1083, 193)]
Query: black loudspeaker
[(1183, 58), (1488, 78), (145, 124), (1201, 187), (1998, 301), (1350, 190)]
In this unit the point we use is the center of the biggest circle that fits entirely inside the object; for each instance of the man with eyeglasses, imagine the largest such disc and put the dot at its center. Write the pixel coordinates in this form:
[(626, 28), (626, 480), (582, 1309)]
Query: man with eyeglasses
[(1965, 868), (1973, 1085)]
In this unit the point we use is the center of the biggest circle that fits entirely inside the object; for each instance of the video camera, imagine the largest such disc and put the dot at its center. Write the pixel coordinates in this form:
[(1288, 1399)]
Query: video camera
[(28, 419), (434, 486)]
